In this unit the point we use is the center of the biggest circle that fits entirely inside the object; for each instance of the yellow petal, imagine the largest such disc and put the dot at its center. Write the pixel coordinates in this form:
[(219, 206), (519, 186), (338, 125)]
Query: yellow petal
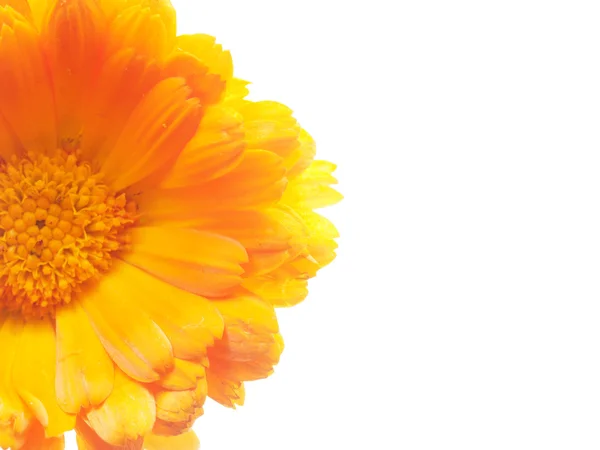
[(270, 126), (191, 323), (84, 371), (87, 439), (74, 36), (181, 408), (196, 261), (26, 97), (279, 291), (312, 189), (148, 26), (216, 148), (133, 340), (185, 441), (206, 49), (184, 376), (14, 415), (156, 132), (126, 416), (34, 376), (21, 6)]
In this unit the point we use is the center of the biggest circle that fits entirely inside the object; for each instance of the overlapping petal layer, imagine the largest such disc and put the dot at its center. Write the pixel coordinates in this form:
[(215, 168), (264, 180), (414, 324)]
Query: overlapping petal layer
[(188, 207)]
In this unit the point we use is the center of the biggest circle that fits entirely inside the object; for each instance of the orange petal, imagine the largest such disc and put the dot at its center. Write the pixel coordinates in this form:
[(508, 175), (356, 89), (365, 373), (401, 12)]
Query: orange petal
[(207, 86), (134, 341), (216, 148), (155, 134), (258, 180), (251, 344), (148, 26), (34, 376), (14, 415), (199, 262), (26, 98), (124, 79), (74, 40), (36, 440), (87, 439), (305, 154), (185, 441), (127, 415), (84, 371), (191, 323), (229, 393)]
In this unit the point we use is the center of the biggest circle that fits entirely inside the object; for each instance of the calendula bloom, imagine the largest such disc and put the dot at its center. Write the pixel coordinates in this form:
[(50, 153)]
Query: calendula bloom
[(151, 220)]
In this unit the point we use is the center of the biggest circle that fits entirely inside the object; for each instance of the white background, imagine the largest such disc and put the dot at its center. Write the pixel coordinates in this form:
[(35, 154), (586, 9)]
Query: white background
[(462, 311)]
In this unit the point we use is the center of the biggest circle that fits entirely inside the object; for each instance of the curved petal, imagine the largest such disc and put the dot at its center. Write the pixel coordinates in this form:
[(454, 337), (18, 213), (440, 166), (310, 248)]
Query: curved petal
[(215, 150), (184, 441), (34, 374), (84, 371), (229, 393), (148, 26), (312, 189), (191, 323), (251, 343), (36, 440), (259, 180), (176, 411), (155, 134), (127, 415), (74, 35), (133, 340), (196, 261), (206, 49), (14, 415), (26, 97), (184, 376), (124, 79)]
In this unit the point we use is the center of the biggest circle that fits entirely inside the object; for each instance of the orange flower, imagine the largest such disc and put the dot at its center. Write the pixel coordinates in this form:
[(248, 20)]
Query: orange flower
[(151, 220)]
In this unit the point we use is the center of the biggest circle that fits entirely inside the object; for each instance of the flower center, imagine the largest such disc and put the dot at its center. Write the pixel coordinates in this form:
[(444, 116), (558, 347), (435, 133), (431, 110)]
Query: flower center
[(59, 227)]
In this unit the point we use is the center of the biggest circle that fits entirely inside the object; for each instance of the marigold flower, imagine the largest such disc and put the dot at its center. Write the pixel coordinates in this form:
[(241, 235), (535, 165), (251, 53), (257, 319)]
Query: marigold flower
[(151, 219)]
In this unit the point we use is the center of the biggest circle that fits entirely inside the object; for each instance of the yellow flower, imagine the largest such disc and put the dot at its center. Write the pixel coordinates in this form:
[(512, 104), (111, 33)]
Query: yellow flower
[(151, 219)]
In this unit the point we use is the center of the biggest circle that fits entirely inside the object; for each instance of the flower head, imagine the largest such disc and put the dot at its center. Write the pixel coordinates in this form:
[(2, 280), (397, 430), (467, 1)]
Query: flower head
[(151, 220)]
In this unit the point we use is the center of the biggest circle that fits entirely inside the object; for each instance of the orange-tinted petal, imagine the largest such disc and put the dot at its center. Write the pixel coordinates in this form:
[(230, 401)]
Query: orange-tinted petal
[(191, 323), (229, 393), (176, 411), (199, 262), (216, 148), (74, 40), (126, 416), (21, 6), (259, 180), (26, 98), (184, 441), (139, 347), (35, 439), (124, 79), (156, 133), (84, 372), (88, 439), (34, 374)]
